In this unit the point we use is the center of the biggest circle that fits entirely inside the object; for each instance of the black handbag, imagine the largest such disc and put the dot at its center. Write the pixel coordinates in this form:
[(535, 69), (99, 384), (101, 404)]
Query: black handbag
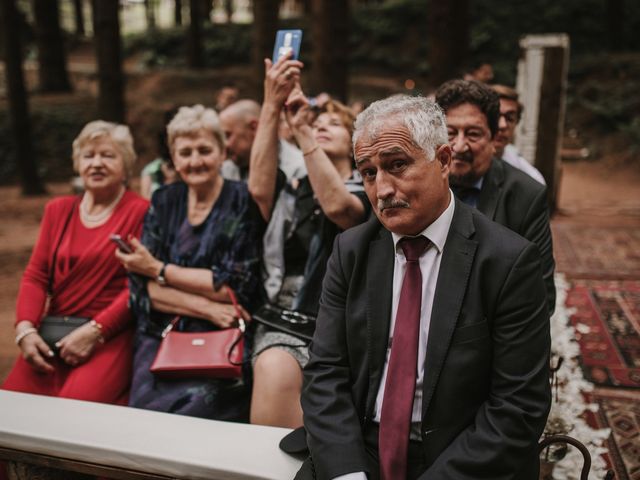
[(53, 328), (294, 323)]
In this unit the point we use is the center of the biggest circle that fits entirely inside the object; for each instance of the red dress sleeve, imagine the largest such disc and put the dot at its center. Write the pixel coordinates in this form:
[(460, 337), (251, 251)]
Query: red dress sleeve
[(32, 296)]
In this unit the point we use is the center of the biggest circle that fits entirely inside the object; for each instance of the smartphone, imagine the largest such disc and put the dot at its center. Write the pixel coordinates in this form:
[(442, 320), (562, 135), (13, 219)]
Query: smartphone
[(122, 245), (287, 41)]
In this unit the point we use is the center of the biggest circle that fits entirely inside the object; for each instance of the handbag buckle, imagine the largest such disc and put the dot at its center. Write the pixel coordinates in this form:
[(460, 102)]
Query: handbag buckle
[(241, 325), (166, 330), (198, 342)]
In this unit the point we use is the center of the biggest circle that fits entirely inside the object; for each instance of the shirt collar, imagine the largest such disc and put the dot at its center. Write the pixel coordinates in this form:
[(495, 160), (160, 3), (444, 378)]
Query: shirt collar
[(438, 230)]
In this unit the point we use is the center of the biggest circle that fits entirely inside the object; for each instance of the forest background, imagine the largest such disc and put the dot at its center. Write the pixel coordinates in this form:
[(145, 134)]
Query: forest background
[(174, 52)]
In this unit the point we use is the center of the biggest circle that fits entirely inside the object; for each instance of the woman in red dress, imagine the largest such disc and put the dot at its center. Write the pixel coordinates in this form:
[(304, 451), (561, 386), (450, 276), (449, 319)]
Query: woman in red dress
[(74, 253)]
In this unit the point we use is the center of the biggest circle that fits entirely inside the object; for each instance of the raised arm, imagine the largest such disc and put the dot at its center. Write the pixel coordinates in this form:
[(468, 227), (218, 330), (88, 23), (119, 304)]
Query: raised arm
[(338, 204), (280, 79)]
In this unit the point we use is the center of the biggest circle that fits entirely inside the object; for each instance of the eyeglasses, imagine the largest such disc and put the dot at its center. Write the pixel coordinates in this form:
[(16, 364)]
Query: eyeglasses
[(510, 117)]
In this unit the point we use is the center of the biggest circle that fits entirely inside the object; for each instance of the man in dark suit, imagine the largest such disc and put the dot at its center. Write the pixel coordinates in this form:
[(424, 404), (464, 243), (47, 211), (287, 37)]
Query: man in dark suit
[(500, 191), (430, 356)]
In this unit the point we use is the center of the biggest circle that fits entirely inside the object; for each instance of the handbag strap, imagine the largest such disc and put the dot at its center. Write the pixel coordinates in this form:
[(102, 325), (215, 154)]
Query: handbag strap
[(52, 268)]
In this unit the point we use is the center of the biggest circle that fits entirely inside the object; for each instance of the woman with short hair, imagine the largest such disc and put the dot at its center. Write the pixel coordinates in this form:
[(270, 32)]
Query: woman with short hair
[(73, 262), (199, 238)]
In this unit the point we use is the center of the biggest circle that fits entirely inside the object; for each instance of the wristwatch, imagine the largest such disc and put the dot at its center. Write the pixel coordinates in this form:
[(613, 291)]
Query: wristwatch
[(161, 279)]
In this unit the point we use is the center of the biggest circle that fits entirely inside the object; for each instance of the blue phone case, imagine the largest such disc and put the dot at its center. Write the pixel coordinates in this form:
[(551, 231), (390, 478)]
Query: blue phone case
[(287, 40)]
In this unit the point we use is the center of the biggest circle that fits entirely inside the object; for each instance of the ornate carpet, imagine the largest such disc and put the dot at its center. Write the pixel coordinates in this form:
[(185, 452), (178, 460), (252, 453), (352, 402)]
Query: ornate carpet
[(619, 411), (597, 252), (606, 319)]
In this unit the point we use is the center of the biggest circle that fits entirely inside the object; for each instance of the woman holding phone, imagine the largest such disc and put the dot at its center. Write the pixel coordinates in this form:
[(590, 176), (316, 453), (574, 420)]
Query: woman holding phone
[(73, 263), (303, 216), (199, 240)]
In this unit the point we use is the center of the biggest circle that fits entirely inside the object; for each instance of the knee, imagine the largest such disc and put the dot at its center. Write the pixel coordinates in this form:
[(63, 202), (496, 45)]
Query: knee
[(278, 369)]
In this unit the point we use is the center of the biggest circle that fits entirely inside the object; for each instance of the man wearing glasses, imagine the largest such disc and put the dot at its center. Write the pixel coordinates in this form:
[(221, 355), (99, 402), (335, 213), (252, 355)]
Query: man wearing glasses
[(510, 114), (503, 193)]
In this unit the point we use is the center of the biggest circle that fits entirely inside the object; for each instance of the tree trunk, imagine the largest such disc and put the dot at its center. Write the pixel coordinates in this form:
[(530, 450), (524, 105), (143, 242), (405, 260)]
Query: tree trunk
[(150, 14), (106, 28), (177, 13), (52, 67), (194, 39), (448, 46), (79, 17), (207, 6), (615, 24), (265, 25), (17, 98), (330, 47), (228, 8)]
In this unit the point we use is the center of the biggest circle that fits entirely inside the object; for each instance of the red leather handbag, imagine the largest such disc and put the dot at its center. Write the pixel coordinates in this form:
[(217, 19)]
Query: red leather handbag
[(214, 354)]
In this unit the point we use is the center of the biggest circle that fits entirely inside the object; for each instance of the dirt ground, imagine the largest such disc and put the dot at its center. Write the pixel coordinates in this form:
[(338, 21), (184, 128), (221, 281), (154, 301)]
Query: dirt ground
[(591, 193)]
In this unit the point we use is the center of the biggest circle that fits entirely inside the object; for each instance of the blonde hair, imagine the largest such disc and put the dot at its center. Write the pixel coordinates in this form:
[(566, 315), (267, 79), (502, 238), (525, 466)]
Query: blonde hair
[(119, 134), (190, 120)]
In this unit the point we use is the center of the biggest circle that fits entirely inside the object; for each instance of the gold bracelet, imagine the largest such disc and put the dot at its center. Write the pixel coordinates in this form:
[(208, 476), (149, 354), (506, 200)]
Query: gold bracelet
[(308, 152), (98, 327), (24, 333)]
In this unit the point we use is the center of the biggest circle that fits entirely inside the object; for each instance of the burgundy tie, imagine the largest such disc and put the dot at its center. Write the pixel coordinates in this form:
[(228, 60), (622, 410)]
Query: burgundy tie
[(400, 386)]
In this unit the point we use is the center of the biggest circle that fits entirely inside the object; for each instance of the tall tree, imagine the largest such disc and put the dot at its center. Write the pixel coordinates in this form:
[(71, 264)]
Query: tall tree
[(52, 64), (78, 14), (17, 97), (615, 24), (228, 8), (265, 25), (194, 39), (106, 28), (448, 38), (330, 47), (177, 13), (207, 7), (150, 13)]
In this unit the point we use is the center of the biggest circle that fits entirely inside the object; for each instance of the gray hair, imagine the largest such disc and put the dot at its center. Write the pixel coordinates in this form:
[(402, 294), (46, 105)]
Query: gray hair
[(190, 120), (119, 134), (423, 118)]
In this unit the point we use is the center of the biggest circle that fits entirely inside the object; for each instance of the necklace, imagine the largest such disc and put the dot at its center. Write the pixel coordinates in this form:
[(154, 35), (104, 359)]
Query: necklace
[(87, 217)]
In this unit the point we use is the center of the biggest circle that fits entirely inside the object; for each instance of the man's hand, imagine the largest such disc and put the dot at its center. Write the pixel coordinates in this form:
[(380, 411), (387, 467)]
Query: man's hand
[(139, 261), (76, 348), (280, 79)]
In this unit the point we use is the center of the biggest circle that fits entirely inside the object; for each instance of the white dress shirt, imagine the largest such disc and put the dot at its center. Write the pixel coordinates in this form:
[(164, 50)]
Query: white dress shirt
[(513, 158), (429, 267)]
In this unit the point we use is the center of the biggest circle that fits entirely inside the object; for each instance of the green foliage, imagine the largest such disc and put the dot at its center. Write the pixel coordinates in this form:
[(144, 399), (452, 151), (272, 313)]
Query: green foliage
[(222, 45), (53, 128)]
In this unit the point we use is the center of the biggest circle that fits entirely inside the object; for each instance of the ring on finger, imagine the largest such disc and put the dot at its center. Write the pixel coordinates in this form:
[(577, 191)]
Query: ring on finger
[(288, 74)]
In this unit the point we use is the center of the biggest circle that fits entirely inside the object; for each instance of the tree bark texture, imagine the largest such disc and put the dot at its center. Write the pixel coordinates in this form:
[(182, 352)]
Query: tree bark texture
[(106, 28), (330, 47), (448, 38), (150, 13), (17, 99), (78, 14), (52, 64), (194, 39), (265, 25)]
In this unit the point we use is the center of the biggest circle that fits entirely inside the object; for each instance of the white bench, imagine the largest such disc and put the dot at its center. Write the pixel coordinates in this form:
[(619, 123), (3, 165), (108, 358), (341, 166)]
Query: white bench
[(124, 442)]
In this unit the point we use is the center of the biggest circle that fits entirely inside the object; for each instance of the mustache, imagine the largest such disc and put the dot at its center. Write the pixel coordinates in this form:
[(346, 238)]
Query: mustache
[(464, 156), (385, 203)]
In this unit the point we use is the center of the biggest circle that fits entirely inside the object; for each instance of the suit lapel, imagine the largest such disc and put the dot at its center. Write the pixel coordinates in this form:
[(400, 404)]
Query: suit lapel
[(491, 189), (379, 296), (455, 268)]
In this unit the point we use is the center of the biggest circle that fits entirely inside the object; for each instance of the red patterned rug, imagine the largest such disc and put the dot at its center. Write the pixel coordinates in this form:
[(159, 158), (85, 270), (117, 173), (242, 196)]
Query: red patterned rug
[(619, 411), (607, 325), (597, 252)]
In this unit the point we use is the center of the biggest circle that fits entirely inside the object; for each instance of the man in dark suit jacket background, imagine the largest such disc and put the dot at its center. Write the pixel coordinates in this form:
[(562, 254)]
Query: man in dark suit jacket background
[(503, 193), (478, 358)]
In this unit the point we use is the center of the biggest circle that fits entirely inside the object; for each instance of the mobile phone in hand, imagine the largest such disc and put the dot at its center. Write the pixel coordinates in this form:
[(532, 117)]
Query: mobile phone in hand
[(287, 41), (122, 245)]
